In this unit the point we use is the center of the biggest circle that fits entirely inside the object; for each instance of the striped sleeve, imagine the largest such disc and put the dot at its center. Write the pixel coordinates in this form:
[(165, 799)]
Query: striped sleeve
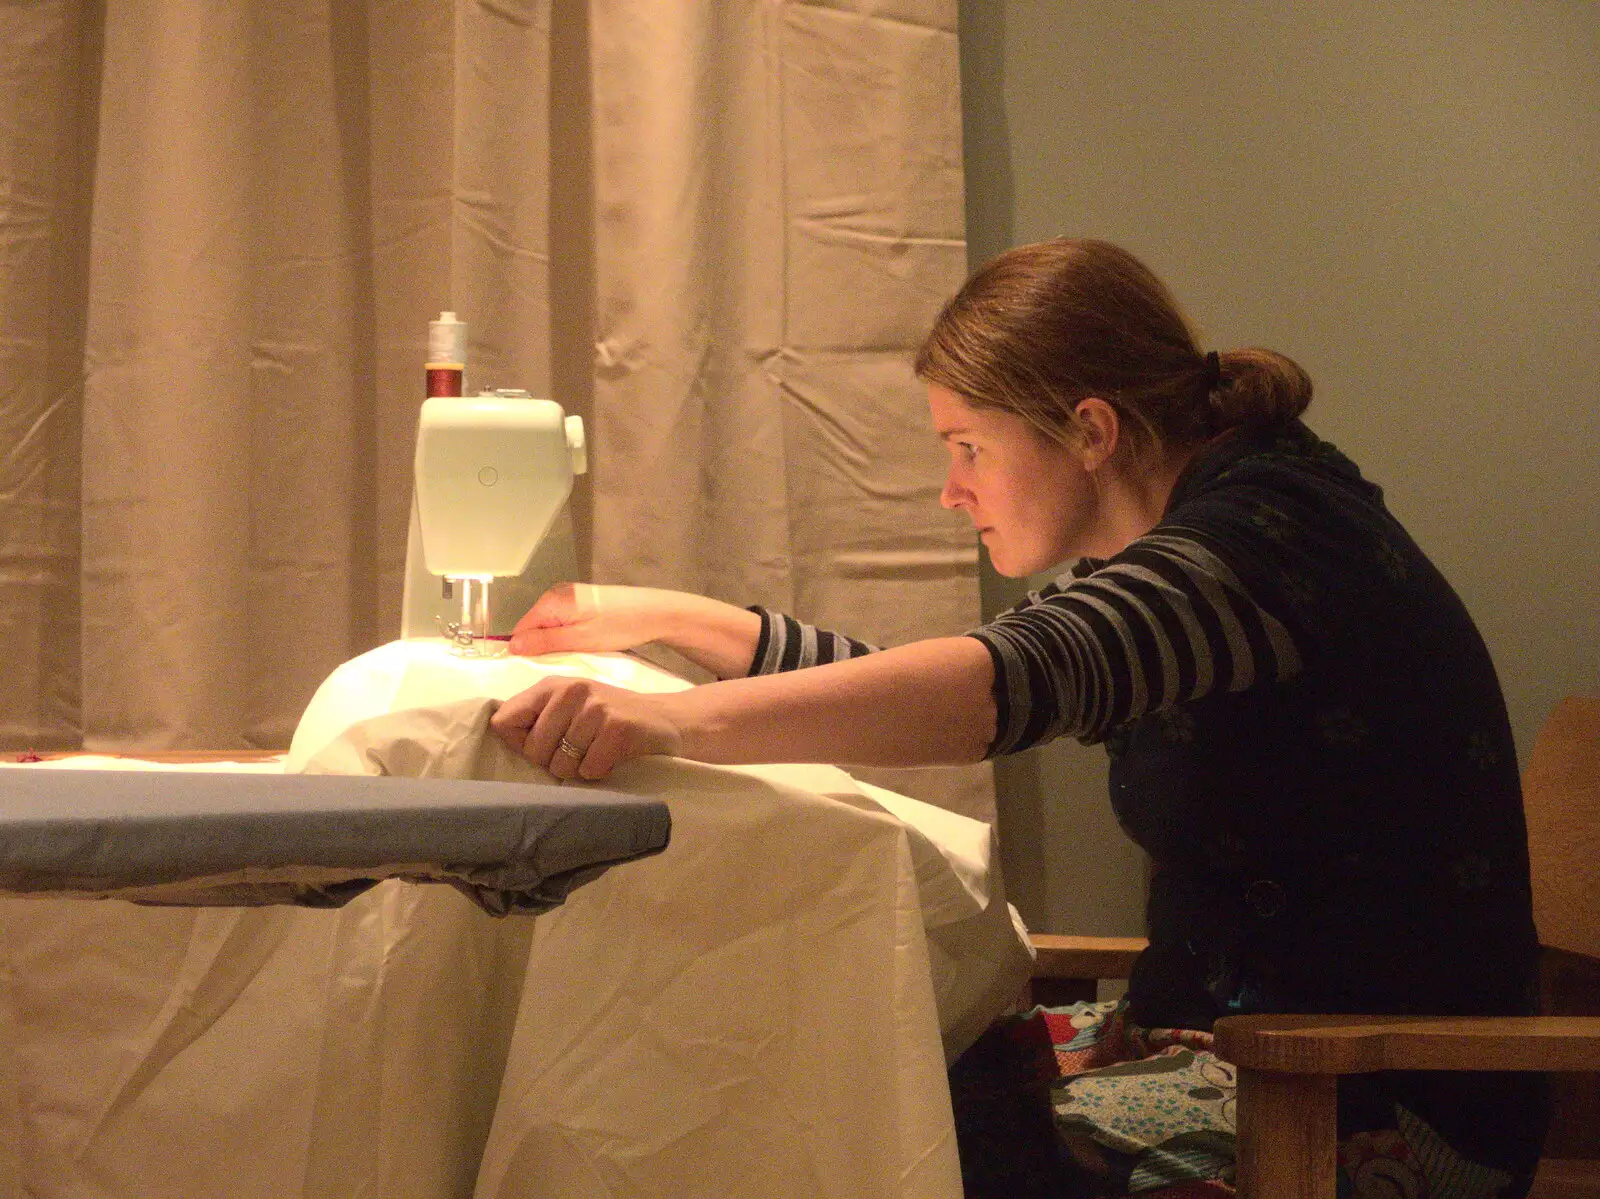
[(786, 644), (1164, 622)]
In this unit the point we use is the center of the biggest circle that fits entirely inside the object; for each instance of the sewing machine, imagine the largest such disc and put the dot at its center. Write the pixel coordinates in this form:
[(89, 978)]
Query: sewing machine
[(493, 472), (488, 516)]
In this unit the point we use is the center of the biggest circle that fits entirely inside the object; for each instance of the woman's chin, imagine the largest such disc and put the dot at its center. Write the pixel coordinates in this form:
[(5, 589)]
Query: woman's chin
[(1010, 561), (1013, 566), (1003, 565)]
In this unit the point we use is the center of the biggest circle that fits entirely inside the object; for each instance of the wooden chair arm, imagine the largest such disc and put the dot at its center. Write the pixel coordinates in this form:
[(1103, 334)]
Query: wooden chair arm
[(1288, 1068), (1084, 957), (1362, 1044)]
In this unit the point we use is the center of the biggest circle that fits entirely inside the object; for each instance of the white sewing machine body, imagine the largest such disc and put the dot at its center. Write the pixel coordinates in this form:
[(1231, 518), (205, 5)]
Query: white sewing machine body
[(492, 476)]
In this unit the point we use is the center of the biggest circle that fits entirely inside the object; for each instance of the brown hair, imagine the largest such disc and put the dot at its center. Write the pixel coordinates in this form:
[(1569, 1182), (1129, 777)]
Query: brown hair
[(1046, 325)]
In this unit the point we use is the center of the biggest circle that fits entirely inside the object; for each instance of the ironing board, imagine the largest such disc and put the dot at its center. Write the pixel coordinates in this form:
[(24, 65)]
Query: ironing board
[(242, 839)]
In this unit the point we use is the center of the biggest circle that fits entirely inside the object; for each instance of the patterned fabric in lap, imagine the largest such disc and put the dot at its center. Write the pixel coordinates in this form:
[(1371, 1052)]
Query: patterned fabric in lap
[(1150, 1112)]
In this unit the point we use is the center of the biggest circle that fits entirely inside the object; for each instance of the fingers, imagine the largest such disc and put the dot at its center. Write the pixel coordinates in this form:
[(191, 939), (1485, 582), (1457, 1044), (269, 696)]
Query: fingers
[(535, 640), (542, 627), (515, 717), (558, 605), (604, 751), (558, 740), (569, 726), (568, 617)]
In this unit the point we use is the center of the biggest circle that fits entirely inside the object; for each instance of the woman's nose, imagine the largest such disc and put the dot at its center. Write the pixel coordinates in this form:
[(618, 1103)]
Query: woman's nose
[(953, 495)]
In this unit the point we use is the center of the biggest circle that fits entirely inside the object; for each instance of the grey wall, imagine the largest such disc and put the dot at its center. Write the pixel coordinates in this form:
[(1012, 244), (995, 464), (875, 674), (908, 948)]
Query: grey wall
[(1402, 196)]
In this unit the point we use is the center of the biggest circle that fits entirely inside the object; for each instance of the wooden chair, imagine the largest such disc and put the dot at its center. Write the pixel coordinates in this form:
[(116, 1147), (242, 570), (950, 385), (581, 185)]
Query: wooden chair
[(1288, 1066)]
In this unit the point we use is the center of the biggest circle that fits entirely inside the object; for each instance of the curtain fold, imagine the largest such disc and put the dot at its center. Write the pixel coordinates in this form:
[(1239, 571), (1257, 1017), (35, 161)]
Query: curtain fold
[(224, 228), (49, 86)]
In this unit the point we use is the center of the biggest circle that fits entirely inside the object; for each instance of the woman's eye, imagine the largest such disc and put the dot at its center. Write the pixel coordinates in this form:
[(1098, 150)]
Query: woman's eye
[(968, 450)]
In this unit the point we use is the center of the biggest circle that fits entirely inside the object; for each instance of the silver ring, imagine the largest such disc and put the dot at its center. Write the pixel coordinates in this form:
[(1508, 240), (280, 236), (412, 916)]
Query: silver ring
[(571, 750)]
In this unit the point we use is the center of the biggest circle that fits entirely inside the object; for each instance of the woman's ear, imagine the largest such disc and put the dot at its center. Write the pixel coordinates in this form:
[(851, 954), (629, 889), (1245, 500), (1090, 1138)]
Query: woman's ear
[(1099, 427)]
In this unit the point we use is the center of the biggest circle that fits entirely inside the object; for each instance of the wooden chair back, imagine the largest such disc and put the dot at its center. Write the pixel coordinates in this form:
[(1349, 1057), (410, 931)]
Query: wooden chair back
[(1561, 795)]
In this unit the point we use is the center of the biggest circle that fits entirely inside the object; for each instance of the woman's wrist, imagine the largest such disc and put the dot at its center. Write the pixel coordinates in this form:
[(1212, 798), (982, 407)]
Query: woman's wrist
[(715, 635)]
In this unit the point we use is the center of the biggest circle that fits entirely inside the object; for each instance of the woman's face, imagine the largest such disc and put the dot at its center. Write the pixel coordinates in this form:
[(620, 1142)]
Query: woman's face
[(1032, 500)]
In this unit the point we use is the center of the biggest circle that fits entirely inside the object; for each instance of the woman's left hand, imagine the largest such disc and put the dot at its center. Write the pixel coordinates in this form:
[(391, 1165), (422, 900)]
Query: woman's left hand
[(578, 728)]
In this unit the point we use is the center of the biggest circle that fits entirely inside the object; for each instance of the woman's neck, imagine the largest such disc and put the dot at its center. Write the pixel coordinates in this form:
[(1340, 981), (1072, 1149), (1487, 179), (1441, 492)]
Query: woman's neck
[(1138, 492)]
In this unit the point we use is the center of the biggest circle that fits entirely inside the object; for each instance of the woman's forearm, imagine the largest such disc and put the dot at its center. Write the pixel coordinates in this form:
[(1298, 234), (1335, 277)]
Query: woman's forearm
[(928, 703), (584, 618), (716, 636)]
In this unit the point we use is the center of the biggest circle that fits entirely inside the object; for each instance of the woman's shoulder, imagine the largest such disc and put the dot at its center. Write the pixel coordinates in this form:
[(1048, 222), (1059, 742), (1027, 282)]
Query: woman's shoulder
[(1286, 496), (1288, 458)]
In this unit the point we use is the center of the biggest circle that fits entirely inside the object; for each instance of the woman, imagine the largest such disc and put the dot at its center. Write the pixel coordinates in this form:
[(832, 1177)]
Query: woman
[(1305, 729)]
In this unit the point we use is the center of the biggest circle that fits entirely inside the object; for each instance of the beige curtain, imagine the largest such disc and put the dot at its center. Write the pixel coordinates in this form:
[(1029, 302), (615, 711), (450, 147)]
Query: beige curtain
[(224, 227)]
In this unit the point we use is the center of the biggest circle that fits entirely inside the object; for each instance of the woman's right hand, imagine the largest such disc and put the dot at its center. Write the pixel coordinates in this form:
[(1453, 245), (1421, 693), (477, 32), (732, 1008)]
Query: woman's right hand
[(585, 618), (582, 617)]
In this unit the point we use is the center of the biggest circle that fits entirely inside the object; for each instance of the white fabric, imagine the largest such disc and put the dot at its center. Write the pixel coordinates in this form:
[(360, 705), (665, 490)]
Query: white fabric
[(765, 1009), (259, 1053)]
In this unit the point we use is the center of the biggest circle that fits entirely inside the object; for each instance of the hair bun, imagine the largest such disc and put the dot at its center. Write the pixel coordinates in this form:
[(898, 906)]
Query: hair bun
[(1259, 387)]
